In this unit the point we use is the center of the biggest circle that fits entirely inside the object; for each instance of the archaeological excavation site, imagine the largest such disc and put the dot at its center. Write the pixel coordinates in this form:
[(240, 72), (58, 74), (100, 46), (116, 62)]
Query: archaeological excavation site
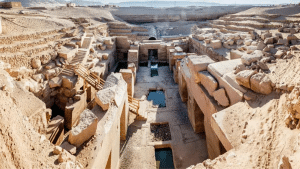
[(109, 87)]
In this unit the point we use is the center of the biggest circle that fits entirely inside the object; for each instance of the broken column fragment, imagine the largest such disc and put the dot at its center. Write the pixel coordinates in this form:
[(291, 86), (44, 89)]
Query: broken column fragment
[(85, 129)]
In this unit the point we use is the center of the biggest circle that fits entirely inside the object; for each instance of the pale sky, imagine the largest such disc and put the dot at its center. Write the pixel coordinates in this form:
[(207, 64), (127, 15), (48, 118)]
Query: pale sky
[(217, 1)]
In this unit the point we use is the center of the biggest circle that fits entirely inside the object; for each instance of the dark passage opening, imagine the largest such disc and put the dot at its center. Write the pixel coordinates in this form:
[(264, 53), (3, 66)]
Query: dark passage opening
[(143, 64), (164, 158), (152, 54), (152, 38), (57, 111), (154, 70), (125, 56), (121, 65), (158, 97)]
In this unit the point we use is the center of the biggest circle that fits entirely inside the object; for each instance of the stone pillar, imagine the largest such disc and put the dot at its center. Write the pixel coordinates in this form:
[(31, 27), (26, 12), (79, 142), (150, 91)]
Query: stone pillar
[(133, 57), (132, 67), (91, 92), (171, 61), (182, 87), (129, 79), (124, 120), (195, 114)]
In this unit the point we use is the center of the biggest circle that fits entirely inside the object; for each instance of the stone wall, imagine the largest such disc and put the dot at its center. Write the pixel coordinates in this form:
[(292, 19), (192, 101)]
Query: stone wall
[(161, 50), (197, 47)]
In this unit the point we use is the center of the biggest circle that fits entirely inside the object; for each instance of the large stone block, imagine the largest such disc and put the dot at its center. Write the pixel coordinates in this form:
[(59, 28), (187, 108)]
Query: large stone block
[(85, 129), (261, 83), (133, 55), (208, 81), (105, 96), (129, 79), (199, 63), (220, 97), (236, 54), (55, 82), (216, 44), (72, 111), (247, 59), (243, 77), (231, 79)]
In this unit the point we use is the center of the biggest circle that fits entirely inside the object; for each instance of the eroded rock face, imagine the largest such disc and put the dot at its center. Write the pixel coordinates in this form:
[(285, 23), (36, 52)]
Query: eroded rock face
[(261, 83)]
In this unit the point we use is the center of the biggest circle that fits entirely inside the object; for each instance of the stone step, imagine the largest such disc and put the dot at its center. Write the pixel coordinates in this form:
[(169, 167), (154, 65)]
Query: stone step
[(19, 45), (120, 30), (253, 24)]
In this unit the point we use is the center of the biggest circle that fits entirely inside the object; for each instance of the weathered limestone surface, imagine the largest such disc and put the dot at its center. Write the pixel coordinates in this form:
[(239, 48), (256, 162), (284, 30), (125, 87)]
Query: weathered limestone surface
[(208, 81), (218, 70), (243, 77), (72, 111), (129, 79), (85, 129), (198, 63), (220, 96)]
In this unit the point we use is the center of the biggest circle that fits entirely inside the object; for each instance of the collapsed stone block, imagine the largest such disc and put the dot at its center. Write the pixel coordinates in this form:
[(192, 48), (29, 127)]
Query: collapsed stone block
[(269, 41), (55, 82), (36, 63), (216, 44), (69, 147), (243, 77), (236, 54), (220, 97), (73, 110), (104, 97), (261, 83), (85, 129), (247, 59), (199, 63), (231, 79), (208, 81)]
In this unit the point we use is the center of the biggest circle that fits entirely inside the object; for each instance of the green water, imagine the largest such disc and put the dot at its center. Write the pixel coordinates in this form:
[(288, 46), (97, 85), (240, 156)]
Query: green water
[(164, 158)]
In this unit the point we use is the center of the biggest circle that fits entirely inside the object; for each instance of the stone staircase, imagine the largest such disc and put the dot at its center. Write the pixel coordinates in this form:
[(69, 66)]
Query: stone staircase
[(134, 107), (80, 57), (122, 29)]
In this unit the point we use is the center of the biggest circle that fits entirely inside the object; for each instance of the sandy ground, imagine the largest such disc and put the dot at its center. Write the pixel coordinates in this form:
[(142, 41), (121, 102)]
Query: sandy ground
[(188, 148)]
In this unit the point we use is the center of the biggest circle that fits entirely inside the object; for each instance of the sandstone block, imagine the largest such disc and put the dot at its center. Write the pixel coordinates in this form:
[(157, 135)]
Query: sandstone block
[(220, 97), (231, 79), (208, 81), (247, 59), (36, 63), (279, 54), (216, 44), (269, 40), (69, 147), (291, 37), (55, 82), (243, 77), (199, 63), (104, 97), (261, 83), (57, 150), (266, 35), (260, 45), (282, 42), (85, 129), (235, 54)]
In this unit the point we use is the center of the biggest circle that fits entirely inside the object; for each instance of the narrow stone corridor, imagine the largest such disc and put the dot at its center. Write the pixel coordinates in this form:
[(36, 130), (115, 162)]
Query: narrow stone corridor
[(188, 147)]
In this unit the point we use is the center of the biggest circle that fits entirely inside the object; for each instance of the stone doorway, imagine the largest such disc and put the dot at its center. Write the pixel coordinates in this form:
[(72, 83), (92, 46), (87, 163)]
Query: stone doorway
[(152, 54)]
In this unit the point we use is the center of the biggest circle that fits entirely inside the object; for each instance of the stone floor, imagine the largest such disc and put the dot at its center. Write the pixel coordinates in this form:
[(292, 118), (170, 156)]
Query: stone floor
[(188, 148)]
